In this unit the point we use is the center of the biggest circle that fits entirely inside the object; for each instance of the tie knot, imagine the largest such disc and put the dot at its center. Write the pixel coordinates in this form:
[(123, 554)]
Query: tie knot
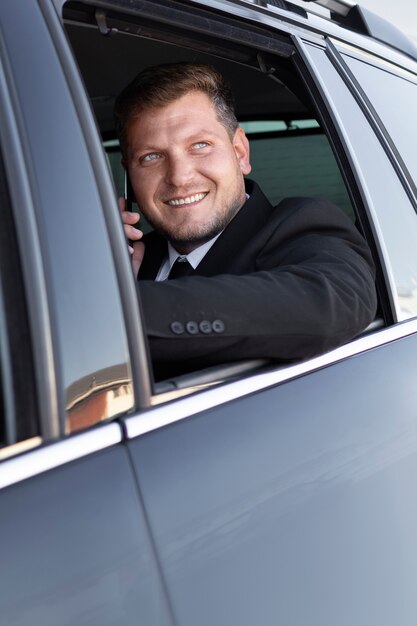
[(181, 267)]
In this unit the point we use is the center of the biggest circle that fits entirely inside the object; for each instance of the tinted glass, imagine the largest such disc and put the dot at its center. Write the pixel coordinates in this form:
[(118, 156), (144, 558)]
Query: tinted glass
[(395, 100), (89, 335), (18, 418), (392, 215), (297, 164)]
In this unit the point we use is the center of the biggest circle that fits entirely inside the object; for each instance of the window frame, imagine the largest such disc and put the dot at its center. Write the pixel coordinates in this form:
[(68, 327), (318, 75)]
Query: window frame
[(39, 396), (337, 52), (139, 379), (19, 401), (281, 373)]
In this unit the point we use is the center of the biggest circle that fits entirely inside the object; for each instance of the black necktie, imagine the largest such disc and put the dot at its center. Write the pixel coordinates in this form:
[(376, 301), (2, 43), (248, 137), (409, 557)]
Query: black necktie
[(180, 268)]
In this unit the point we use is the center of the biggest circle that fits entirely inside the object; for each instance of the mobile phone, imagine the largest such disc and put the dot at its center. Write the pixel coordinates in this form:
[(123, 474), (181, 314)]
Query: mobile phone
[(130, 199), (132, 205), (128, 192)]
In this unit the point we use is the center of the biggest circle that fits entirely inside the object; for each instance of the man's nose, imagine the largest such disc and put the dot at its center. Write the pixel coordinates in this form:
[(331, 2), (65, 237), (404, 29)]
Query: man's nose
[(179, 171)]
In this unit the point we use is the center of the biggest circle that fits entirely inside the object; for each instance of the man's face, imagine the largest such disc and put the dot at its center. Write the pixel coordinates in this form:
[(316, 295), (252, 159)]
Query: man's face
[(185, 169)]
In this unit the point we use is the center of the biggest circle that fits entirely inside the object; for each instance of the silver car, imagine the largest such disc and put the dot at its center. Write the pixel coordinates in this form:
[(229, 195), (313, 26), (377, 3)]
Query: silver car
[(245, 494)]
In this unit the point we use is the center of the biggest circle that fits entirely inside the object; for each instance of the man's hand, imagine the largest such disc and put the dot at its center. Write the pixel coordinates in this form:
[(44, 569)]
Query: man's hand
[(133, 235)]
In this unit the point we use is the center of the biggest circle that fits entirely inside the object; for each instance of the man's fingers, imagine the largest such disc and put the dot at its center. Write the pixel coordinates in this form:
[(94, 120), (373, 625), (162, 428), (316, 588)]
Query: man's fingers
[(137, 249), (132, 233), (137, 256), (129, 219)]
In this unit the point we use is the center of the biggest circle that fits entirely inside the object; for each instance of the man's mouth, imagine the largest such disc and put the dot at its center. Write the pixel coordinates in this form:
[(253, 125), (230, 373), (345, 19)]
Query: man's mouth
[(197, 197)]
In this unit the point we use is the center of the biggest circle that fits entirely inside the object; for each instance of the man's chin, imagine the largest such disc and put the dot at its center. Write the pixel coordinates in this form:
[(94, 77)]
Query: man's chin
[(192, 236), (186, 237), (186, 242)]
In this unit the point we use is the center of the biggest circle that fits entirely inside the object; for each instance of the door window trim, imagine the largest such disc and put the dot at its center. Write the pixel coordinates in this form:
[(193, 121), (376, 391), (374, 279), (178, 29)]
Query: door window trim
[(44, 458), (54, 455), (374, 120), (17, 169), (136, 336), (391, 307), (171, 412)]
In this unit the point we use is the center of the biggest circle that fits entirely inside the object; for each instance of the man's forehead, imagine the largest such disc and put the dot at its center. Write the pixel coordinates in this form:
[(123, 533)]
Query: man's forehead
[(183, 121), (182, 107)]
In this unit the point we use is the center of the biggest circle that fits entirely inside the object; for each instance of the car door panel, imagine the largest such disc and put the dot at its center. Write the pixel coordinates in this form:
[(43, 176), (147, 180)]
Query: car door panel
[(77, 548), (306, 487)]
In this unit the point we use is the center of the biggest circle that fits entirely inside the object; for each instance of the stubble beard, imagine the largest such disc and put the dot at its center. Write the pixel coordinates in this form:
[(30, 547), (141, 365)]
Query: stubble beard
[(187, 239)]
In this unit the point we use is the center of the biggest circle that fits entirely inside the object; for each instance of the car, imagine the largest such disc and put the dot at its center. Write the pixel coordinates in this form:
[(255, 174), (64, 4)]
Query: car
[(241, 494)]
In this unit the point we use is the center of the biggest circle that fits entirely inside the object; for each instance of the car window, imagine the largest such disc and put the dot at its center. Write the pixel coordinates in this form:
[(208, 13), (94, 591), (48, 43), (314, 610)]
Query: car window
[(82, 329), (393, 97), (294, 158), (18, 406), (292, 132), (290, 152), (393, 94), (392, 216)]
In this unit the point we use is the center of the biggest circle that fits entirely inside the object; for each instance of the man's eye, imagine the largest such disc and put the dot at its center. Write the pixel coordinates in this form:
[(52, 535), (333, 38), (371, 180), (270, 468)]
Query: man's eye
[(152, 156), (200, 144)]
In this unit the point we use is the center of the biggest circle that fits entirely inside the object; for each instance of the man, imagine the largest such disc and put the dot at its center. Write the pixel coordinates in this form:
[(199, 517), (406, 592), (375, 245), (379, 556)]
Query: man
[(283, 283)]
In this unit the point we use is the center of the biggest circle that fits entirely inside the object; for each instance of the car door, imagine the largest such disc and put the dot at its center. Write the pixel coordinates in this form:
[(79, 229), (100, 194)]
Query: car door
[(74, 540), (288, 497)]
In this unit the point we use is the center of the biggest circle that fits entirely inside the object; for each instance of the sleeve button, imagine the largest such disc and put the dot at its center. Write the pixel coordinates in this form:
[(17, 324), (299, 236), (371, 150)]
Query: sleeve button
[(218, 326), (177, 328), (206, 327), (192, 328)]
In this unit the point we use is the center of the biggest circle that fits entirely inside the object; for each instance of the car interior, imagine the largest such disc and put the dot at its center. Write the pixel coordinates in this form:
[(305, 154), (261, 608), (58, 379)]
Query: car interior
[(291, 154)]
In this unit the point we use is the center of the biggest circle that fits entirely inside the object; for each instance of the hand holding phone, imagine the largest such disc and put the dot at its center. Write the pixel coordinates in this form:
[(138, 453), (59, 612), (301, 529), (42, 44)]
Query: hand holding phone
[(133, 235), (130, 217), (128, 193)]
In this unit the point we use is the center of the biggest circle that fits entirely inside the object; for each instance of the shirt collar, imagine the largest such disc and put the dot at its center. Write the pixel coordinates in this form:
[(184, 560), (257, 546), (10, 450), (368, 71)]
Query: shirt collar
[(197, 255), (193, 257)]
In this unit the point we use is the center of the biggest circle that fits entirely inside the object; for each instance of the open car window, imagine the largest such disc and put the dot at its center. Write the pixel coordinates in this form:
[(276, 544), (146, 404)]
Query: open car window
[(291, 151)]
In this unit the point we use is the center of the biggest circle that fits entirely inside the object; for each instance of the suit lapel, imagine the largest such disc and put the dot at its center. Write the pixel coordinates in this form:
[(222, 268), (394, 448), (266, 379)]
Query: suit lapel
[(226, 251)]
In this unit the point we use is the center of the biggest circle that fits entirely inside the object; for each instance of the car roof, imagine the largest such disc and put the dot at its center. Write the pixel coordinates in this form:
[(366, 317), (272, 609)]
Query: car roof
[(346, 14)]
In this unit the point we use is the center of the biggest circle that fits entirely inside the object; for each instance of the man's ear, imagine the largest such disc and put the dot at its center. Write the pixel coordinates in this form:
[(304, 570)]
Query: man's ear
[(242, 150)]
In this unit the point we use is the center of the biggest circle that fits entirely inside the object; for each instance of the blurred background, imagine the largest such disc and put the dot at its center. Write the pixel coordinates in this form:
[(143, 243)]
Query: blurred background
[(401, 13)]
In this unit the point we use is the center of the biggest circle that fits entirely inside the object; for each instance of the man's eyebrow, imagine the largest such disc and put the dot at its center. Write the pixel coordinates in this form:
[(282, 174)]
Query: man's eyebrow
[(204, 132), (193, 137), (143, 149)]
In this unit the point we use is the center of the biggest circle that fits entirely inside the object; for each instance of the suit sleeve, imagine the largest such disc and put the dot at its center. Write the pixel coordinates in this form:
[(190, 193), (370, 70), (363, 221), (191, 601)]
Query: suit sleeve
[(311, 290)]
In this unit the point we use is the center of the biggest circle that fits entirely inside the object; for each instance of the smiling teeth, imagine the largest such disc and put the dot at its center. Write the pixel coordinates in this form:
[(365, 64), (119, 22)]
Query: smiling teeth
[(188, 200)]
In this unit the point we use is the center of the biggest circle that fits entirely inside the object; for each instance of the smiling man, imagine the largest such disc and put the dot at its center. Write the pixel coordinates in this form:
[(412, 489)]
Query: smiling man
[(256, 281), (186, 169)]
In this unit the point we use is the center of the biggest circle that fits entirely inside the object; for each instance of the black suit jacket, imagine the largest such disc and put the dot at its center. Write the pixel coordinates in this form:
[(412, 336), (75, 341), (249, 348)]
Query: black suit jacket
[(284, 283)]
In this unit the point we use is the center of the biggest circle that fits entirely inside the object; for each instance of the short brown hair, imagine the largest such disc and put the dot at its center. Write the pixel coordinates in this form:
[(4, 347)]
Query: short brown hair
[(161, 85)]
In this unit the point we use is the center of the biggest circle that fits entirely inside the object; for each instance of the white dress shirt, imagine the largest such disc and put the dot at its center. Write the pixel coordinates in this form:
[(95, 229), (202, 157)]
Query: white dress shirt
[(193, 257)]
